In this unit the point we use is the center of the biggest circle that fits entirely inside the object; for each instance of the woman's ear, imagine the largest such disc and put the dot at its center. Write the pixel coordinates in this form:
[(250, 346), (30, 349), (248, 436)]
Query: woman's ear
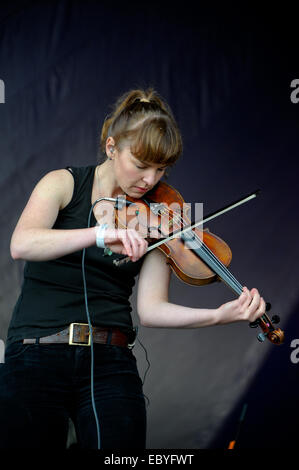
[(110, 147)]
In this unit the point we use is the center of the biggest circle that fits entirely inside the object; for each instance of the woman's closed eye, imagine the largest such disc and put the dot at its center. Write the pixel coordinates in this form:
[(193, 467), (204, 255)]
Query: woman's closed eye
[(145, 167)]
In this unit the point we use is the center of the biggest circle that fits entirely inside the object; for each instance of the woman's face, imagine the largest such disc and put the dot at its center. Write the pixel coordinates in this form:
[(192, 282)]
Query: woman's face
[(134, 177)]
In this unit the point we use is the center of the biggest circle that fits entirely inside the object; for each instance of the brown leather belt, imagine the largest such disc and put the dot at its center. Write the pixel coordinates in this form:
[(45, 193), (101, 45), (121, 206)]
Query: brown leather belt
[(77, 334)]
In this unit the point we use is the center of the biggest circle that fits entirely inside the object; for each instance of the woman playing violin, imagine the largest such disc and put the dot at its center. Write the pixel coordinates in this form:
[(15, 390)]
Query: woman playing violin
[(46, 378)]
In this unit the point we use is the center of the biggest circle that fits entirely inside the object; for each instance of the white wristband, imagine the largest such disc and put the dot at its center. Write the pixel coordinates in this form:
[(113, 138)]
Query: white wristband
[(100, 233)]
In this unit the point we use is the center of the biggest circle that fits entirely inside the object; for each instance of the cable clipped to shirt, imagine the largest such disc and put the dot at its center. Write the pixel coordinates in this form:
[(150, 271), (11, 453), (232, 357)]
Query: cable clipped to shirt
[(100, 243)]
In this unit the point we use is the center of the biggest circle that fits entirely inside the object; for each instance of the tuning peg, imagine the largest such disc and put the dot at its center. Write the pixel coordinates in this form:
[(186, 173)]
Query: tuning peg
[(261, 337), (275, 319)]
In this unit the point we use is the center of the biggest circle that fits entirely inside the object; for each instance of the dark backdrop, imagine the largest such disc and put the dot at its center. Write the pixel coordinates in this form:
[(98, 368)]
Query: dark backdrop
[(226, 73)]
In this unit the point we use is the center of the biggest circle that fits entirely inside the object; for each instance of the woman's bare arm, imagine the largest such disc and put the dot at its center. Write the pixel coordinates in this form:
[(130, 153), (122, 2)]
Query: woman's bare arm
[(155, 310), (33, 238)]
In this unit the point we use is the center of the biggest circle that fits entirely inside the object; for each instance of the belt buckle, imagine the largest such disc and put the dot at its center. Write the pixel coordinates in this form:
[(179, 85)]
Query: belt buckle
[(71, 335)]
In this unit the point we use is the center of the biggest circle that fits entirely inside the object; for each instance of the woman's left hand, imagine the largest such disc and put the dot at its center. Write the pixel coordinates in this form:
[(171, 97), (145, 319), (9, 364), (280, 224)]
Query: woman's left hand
[(248, 307)]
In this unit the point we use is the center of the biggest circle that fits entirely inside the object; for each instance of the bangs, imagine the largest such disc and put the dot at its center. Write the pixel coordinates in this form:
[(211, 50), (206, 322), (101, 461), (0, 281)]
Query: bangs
[(155, 140)]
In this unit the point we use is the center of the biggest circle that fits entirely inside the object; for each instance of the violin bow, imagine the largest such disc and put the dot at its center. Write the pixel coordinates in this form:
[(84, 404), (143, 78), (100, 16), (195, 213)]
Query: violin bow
[(193, 225)]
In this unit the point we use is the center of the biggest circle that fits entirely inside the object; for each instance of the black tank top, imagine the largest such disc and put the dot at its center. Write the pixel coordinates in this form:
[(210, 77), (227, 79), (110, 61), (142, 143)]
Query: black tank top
[(52, 294)]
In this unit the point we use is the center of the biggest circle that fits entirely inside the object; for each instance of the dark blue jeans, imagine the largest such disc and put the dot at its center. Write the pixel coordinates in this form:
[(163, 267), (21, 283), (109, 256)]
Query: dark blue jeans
[(42, 386)]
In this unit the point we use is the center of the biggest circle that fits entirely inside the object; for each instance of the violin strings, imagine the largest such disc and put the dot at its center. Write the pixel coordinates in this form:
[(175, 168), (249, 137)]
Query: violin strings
[(221, 269), (234, 283)]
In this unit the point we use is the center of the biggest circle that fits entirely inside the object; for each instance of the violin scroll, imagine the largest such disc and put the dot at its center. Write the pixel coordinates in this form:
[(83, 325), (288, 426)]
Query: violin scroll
[(274, 335)]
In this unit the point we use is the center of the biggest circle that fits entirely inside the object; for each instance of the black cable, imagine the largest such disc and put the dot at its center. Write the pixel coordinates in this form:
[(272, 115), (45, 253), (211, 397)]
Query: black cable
[(143, 381)]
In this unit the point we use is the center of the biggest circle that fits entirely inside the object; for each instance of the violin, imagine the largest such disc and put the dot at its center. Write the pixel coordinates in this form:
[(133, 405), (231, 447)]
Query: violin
[(196, 256)]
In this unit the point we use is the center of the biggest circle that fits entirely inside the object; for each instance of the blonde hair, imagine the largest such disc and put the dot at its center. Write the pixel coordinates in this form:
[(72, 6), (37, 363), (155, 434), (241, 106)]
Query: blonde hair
[(142, 119)]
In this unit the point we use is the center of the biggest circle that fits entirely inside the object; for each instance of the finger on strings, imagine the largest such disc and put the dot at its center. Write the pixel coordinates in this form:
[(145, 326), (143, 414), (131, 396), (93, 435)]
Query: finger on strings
[(262, 307), (255, 299), (245, 298)]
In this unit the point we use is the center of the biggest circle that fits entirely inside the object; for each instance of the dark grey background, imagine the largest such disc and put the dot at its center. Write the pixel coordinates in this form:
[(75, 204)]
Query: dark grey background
[(226, 73)]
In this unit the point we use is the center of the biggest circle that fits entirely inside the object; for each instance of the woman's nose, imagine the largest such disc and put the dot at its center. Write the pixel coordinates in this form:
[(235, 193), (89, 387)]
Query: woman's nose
[(150, 177)]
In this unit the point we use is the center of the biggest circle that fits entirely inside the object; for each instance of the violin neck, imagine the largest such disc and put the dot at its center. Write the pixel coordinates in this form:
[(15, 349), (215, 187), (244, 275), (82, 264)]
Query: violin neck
[(204, 253)]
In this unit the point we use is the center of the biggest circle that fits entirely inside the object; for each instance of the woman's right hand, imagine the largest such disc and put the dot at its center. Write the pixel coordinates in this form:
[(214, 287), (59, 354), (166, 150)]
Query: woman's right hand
[(126, 242)]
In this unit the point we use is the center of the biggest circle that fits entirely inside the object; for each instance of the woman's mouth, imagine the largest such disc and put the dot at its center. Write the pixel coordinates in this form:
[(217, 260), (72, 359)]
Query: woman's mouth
[(141, 190)]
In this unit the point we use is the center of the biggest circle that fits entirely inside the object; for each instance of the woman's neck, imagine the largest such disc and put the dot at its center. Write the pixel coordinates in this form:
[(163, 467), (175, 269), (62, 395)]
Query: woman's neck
[(106, 183)]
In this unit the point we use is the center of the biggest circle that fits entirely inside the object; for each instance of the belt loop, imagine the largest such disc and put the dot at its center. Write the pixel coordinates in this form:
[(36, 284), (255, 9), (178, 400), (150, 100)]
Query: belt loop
[(36, 340), (109, 337)]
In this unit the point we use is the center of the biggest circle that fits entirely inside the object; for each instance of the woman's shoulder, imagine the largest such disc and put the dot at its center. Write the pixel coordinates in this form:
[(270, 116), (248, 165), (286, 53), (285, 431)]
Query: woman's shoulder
[(59, 183), (68, 181)]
